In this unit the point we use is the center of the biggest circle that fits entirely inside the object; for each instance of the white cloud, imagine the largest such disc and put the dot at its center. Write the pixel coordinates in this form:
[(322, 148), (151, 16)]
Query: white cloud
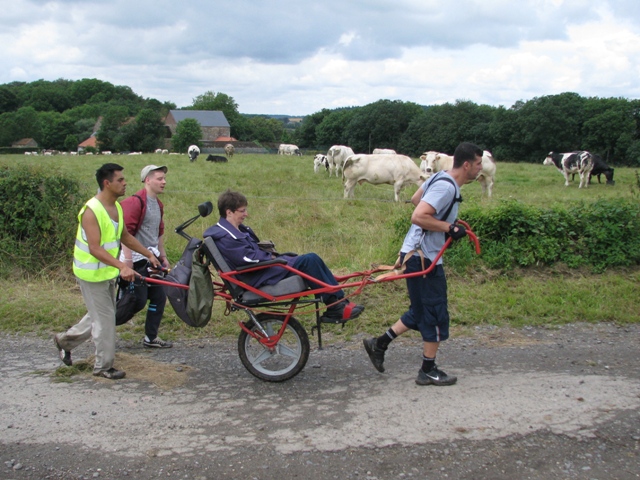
[(290, 57)]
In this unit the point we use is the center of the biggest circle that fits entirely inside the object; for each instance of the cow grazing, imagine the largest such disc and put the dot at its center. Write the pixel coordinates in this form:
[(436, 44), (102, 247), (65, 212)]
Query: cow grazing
[(216, 158), (396, 170), (580, 162), (336, 157), (320, 161), (193, 151), (287, 149), (229, 150), (381, 151), (599, 168), (433, 162)]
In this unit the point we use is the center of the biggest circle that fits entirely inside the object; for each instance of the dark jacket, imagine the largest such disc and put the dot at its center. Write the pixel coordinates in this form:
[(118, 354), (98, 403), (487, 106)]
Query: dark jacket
[(239, 247)]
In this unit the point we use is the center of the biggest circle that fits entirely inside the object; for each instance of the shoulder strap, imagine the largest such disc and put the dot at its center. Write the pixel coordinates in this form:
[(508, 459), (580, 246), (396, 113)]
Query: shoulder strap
[(455, 200), (141, 217)]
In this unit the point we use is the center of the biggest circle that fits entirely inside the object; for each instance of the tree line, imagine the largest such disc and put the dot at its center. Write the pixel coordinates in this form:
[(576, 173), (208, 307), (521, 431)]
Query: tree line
[(525, 132), (62, 113)]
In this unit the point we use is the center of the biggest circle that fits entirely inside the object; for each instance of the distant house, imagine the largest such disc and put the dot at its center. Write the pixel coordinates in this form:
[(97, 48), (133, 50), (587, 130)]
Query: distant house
[(25, 143), (92, 141), (212, 122)]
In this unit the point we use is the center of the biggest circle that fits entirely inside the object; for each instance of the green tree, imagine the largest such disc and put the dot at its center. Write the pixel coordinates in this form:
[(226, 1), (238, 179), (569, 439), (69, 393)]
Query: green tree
[(71, 143), (609, 127), (188, 132), (550, 123), (55, 128), (8, 100), (263, 129), (331, 130), (306, 135), (113, 119), (27, 123), (9, 130), (149, 131), (380, 125)]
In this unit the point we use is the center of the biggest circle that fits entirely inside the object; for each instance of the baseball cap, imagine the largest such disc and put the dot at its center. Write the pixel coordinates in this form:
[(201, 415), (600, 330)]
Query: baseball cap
[(150, 168)]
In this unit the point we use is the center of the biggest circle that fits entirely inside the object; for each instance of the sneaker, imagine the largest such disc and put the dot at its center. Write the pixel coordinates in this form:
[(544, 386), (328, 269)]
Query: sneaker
[(65, 355), (156, 343), (336, 313), (111, 374), (435, 377), (376, 354)]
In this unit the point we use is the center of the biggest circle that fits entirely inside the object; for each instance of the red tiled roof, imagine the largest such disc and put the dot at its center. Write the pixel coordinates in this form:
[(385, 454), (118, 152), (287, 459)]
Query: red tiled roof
[(92, 141), (225, 139)]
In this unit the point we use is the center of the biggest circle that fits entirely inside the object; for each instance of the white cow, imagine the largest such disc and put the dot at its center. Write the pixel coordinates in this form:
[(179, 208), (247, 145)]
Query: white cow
[(288, 149), (319, 162), (380, 151), (193, 152), (158, 150), (229, 150), (396, 170), (433, 162), (336, 157)]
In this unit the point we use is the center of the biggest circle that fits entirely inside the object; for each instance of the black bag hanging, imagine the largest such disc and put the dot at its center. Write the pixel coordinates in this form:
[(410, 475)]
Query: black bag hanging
[(181, 274), (126, 303), (200, 298)]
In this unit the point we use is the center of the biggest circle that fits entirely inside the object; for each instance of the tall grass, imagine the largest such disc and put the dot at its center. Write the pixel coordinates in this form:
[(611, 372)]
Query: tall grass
[(302, 211)]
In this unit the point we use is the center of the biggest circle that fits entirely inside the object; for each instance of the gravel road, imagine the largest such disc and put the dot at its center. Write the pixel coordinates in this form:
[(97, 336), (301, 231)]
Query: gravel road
[(535, 403)]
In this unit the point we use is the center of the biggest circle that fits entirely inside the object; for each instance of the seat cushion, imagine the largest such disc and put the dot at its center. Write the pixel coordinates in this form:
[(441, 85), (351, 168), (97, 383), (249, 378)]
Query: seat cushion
[(293, 284)]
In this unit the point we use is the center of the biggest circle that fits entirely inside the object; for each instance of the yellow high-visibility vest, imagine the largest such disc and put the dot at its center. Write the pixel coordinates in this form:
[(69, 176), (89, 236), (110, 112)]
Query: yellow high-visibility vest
[(87, 267)]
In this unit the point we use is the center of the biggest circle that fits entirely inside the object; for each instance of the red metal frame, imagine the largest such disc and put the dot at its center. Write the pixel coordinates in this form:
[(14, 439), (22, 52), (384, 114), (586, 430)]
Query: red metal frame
[(343, 282)]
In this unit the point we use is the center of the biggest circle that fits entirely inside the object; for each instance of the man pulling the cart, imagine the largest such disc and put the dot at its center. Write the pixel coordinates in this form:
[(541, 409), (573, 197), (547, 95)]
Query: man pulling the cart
[(434, 217)]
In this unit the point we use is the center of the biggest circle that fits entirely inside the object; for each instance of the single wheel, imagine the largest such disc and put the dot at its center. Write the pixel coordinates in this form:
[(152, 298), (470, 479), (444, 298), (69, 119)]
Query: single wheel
[(285, 360)]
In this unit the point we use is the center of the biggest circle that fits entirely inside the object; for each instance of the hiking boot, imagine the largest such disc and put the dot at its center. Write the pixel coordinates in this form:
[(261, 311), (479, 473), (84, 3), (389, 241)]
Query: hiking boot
[(65, 355), (111, 374), (341, 312), (376, 354), (435, 377), (156, 343)]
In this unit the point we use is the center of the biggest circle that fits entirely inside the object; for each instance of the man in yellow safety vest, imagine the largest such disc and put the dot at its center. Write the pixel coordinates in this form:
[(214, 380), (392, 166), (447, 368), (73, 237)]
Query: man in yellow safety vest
[(96, 267)]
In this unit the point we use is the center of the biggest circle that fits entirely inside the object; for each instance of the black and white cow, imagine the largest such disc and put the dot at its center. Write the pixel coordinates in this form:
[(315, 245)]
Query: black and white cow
[(320, 161), (600, 168), (580, 162)]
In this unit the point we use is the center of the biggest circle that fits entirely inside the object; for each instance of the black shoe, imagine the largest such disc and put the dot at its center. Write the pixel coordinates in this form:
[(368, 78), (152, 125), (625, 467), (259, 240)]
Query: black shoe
[(156, 343), (65, 355), (336, 313), (376, 354), (435, 377), (111, 374)]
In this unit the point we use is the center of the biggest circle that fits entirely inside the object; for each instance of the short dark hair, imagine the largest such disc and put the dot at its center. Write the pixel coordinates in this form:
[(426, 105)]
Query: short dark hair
[(466, 152), (107, 172), (231, 201)]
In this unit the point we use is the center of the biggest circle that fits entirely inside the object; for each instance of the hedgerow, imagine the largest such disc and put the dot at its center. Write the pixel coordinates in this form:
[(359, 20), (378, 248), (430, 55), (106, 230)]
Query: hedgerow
[(599, 235), (38, 219)]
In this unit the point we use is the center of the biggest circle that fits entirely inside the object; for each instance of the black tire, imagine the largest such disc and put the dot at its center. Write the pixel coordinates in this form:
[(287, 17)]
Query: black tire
[(287, 359)]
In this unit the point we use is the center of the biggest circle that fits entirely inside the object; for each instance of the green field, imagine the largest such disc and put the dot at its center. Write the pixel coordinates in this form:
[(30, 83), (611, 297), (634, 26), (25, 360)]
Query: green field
[(302, 211)]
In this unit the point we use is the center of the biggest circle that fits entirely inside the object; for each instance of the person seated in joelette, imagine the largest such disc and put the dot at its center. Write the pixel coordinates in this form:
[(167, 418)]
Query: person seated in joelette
[(239, 247)]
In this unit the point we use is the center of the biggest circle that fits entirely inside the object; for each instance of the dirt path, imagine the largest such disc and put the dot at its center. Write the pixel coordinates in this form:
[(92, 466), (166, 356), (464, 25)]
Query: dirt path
[(532, 403)]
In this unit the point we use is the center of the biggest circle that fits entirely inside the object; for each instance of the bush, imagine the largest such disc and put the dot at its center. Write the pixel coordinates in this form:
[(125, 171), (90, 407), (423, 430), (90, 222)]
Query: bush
[(600, 235), (38, 219)]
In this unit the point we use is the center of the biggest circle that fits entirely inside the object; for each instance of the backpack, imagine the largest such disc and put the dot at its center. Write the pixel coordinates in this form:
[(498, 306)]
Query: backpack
[(193, 306)]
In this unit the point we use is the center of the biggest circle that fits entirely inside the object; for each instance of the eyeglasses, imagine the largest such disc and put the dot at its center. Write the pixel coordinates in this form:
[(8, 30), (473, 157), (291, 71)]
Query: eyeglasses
[(242, 210)]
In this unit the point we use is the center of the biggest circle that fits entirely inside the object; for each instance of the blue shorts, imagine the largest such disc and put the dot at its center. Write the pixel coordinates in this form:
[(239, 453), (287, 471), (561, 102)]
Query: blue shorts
[(428, 312)]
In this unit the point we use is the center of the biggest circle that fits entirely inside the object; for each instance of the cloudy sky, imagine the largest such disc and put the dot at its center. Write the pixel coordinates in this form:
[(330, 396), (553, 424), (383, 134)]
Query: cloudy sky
[(298, 56)]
